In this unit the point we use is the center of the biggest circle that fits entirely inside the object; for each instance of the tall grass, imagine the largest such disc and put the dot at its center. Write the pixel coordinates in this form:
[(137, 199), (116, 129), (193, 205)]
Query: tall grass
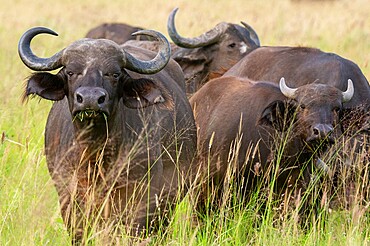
[(29, 209)]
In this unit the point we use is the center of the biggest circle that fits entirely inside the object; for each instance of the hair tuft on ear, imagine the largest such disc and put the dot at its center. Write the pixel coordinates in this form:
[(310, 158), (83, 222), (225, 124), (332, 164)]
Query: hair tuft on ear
[(45, 85)]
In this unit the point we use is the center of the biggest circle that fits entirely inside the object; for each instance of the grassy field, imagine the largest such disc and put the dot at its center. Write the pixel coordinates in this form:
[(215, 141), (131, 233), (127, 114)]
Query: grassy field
[(29, 211)]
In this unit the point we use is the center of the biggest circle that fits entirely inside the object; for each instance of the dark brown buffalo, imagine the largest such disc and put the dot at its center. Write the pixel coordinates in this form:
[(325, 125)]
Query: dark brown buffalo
[(205, 57), (301, 66), (211, 54), (118, 143), (276, 125), (117, 32)]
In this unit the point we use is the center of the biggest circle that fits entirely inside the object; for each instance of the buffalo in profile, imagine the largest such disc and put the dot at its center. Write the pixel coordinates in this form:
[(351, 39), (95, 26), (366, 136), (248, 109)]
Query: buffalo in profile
[(120, 137), (117, 32), (277, 125)]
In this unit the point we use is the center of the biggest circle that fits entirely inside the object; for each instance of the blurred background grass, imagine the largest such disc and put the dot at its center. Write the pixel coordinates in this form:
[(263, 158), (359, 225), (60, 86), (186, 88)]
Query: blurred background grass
[(29, 213)]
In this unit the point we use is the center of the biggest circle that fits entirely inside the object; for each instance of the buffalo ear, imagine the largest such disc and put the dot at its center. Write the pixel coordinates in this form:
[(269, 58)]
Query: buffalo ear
[(278, 114), (190, 56), (139, 93), (191, 61), (45, 85)]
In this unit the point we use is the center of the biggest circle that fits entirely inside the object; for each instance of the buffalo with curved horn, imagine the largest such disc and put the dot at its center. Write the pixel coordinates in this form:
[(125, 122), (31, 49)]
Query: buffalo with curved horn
[(304, 65), (283, 127), (120, 137), (212, 53)]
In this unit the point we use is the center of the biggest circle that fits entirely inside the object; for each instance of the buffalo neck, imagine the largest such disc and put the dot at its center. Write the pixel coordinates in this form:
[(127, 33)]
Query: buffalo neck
[(98, 137)]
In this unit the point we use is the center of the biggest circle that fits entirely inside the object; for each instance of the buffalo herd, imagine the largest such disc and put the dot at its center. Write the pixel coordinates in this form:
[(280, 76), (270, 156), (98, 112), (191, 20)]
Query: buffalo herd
[(136, 121)]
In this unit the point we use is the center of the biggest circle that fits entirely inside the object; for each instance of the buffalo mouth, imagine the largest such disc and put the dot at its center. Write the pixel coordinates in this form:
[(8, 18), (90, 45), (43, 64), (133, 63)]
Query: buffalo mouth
[(319, 145), (90, 114)]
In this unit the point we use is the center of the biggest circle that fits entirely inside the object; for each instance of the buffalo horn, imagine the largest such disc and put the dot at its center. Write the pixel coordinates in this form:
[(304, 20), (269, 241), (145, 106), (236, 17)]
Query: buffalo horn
[(204, 39), (157, 63), (30, 59), (348, 94), (252, 33), (287, 91)]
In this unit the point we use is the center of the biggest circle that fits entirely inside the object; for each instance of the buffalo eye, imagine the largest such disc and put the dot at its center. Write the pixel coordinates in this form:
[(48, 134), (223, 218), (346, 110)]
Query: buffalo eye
[(116, 75), (232, 45), (70, 73), (302, 106)]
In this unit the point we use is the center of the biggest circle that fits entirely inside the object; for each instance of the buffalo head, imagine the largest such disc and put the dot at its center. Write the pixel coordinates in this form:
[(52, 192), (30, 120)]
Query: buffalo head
[(93, 76), (316, 108), (213, 53)]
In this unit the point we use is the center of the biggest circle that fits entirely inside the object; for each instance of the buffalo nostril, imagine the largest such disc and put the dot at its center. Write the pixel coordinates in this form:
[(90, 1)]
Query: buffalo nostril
[(79, 98), (101, 100), (322, 130)]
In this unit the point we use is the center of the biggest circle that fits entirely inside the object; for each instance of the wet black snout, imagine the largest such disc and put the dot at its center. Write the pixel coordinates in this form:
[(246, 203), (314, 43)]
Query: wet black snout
[(94, 98), (322, 132)]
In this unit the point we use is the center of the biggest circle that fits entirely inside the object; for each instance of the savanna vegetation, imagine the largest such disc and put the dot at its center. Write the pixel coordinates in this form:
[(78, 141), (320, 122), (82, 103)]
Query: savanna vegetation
[(29, 209)]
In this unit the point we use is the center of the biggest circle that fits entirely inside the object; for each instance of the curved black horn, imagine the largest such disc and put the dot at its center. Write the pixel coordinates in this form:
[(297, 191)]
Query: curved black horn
[(204, 39), (252, 33), (157, 63), (30, 59)]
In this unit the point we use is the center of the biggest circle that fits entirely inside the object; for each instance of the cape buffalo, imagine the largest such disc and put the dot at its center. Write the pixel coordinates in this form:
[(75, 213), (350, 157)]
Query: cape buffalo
[(120, 138), (117, 32), (236, 116), (302, 66), (211, 54)]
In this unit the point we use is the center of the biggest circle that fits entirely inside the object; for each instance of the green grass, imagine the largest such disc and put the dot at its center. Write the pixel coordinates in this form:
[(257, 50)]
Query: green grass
[(29, 210)]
